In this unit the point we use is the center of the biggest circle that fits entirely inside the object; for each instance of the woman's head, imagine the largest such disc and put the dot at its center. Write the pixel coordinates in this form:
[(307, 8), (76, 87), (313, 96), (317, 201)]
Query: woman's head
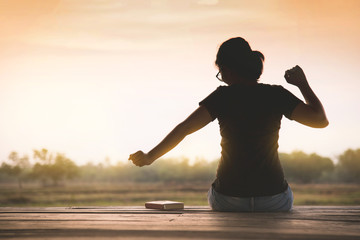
[(236, 55)]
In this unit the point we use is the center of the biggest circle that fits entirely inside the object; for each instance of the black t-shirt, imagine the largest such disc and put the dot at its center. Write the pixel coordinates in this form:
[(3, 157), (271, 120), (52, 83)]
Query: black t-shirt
[(249, 117)]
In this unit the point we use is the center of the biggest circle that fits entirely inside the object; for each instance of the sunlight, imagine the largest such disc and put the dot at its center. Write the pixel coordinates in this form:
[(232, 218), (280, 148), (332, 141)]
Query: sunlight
[(93, 79)]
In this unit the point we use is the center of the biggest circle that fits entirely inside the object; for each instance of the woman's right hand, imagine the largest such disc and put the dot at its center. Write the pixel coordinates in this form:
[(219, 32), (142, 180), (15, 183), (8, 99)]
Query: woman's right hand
[(296, 76), (140, 159)]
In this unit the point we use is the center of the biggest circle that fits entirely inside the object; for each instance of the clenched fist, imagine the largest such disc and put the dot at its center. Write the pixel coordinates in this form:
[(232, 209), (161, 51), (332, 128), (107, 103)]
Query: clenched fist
[(140, 159), (296, 76)]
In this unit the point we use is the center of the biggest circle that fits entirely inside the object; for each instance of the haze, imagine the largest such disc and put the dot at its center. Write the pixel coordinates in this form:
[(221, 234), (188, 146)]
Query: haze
[(96, 79)]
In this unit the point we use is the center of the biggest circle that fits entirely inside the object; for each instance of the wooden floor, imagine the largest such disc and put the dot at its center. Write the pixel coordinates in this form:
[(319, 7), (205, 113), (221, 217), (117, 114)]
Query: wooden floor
[(304, 222)]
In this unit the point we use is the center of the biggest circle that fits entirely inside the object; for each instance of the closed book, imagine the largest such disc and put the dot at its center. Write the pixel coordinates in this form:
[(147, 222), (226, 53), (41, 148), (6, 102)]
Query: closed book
[(164, 205)]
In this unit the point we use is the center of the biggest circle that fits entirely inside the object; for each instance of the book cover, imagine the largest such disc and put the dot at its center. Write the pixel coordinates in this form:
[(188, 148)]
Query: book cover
[(164, 205)]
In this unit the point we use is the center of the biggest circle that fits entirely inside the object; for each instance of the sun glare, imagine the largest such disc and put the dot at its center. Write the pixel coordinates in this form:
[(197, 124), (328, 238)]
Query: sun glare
[(93, 79)]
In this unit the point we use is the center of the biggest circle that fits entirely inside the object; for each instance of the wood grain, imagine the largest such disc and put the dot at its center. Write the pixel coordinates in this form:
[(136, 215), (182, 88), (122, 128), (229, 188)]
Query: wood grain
[(304, 222)]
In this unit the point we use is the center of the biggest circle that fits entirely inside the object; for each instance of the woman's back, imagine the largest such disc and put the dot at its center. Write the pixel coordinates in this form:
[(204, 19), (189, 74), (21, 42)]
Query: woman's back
[(249, 118)]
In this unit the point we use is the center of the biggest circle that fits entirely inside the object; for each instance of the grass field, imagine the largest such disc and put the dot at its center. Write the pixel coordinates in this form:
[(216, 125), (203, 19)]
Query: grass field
[(127, 194)]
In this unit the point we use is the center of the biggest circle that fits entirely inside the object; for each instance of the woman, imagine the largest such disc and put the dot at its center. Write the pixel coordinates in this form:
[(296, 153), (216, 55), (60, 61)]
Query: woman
[(249, 176)]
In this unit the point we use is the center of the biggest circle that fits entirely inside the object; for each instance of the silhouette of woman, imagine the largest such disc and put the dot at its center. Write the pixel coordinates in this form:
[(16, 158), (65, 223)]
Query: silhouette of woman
[(249, 175)]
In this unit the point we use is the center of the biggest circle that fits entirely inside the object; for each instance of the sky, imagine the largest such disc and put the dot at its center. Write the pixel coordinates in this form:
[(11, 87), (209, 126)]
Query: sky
[(97, 79)]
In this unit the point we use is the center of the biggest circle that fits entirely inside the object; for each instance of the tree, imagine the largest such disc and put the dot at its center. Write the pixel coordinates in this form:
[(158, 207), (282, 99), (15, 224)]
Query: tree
[(17, 167), (41, 168), (349, 166), (63, 168), (54, 169), (43, 155), (305, 168)]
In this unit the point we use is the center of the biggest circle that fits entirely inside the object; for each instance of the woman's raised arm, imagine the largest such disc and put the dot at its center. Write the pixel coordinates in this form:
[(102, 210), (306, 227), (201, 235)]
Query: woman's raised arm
[(197, 120), (312, 113)]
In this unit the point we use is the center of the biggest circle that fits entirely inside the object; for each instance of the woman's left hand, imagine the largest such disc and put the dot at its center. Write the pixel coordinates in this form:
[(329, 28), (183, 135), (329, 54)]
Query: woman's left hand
[(140, 159), (296, 76)]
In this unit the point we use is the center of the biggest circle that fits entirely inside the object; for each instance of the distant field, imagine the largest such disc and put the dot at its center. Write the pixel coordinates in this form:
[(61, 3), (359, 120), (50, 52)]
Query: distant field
[(127, 194)]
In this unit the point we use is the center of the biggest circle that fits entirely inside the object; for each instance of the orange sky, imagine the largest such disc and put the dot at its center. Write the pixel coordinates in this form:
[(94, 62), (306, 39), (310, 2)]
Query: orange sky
[(93, 78)]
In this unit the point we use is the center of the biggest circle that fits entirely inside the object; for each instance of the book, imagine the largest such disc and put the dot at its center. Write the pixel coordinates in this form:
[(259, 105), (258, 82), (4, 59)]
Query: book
[(164, 205)]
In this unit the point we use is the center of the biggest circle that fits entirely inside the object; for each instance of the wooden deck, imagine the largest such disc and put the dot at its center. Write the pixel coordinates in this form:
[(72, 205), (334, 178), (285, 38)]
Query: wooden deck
[(304, 222)]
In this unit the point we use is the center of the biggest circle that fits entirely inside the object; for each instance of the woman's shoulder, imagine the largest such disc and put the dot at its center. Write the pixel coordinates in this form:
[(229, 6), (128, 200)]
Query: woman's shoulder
[(274, 88), (221, 89), (263, 87), (270, 86)]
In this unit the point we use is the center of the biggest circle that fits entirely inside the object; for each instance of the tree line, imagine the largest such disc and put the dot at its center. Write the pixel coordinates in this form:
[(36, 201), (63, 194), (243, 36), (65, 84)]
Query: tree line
[(56, 169)]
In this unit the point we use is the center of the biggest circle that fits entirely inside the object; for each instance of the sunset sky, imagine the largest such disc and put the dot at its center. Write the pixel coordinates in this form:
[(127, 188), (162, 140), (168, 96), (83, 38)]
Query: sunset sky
[(105, 78)]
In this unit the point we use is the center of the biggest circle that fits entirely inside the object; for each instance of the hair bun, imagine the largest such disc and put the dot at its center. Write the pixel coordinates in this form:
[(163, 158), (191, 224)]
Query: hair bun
[(259, 55)]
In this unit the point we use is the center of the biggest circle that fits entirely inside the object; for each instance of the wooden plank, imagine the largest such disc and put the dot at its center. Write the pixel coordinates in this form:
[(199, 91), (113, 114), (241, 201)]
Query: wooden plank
[(193, 222)]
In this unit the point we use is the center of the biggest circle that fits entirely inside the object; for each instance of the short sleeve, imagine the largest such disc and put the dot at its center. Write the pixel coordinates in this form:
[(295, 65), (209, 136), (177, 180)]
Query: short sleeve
[(287, 102), (213, 102)]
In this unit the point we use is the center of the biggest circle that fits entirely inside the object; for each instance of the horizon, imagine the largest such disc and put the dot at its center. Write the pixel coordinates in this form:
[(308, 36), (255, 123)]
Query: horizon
[(96, 80), (106, 161)]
